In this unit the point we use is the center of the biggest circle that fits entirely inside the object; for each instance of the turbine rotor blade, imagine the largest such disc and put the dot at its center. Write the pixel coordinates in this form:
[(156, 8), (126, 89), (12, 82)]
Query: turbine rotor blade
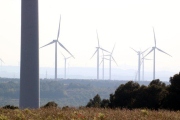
[(104, 50), (97, 38), (47, 44), (65, 49), (148, 52), (100, 62), (142, 56), (144, 51), (114, 61), (147, 59), (94, 54), (59, 28), (68, 57), (162, 51), (113, 49), (106, 59), (134, 50), (2, 61), (154, 37), (63, 55)]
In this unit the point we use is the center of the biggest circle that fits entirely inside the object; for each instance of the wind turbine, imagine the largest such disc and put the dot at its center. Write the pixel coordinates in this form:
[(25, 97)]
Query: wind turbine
[(139, 61), (65, 65), (97, 50), (111, 57), (57, 41), (153, 49)]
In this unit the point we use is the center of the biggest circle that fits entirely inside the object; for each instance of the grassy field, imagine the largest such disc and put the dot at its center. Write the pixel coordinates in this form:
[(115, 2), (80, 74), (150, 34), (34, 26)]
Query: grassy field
[(87, 114)]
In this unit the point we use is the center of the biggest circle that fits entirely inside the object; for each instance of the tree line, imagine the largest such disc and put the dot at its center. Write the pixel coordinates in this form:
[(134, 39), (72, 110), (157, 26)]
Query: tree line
[(157, 95)]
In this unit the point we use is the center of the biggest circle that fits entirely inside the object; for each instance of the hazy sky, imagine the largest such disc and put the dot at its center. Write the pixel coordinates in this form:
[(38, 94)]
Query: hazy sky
[(128, 23)]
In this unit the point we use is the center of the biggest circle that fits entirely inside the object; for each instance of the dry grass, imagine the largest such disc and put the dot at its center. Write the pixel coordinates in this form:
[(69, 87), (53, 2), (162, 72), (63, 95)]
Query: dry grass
[(87, 114)]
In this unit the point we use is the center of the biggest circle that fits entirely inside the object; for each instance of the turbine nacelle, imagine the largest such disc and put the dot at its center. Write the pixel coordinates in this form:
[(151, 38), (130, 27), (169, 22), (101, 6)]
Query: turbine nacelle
[(55, 40)]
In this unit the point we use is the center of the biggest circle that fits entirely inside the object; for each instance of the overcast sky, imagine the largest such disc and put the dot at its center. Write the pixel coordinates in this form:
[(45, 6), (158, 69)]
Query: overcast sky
[(128, 23)]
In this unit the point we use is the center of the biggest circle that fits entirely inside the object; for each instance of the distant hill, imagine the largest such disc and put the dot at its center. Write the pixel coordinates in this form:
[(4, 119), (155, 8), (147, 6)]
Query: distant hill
[(86, 73)]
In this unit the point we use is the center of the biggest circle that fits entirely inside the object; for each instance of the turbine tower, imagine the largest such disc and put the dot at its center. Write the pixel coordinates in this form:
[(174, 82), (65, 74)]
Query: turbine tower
[(111, 57), (153, 49), (29, 75), (135, 77), (68, 68), (139, 61), (103, 66), (97, 50), (65, 59), (142, 63), (57, 41), (103, 58)]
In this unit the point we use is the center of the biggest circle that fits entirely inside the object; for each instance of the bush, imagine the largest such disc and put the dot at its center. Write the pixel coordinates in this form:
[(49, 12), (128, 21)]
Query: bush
[(10, 107), (96, 102), (65, 108), (51, 104)]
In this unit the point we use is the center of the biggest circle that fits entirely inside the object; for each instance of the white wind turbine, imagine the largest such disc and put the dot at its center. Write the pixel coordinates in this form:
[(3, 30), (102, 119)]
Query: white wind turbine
[(111, 57), (139, 61), (97, 50), (65, 59), (56, 41), (153, 49)]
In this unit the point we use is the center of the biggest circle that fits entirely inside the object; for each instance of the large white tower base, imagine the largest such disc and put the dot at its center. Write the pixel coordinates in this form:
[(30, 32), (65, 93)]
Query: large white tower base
[(29, 76)]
